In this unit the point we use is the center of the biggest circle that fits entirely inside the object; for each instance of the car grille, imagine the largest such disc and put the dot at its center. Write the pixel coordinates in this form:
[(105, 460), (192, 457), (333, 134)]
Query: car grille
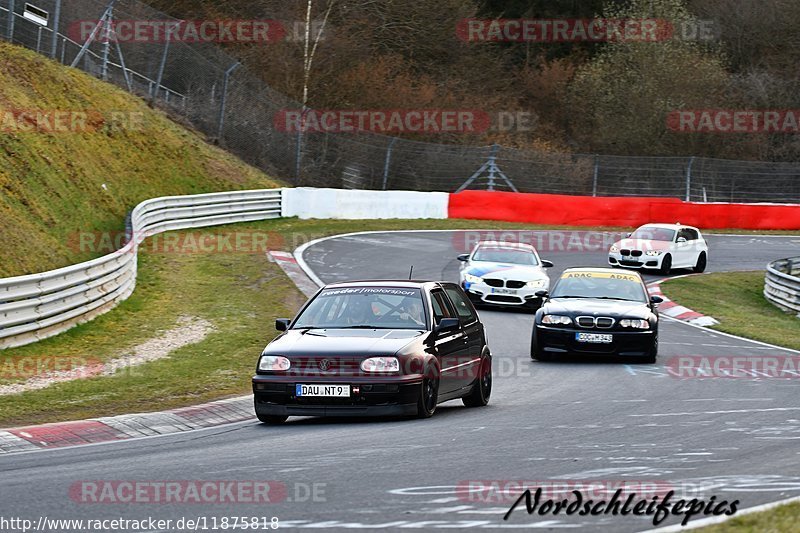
[(333, 366), (511, 284), (601, 322), (503, 298), (634, 253)]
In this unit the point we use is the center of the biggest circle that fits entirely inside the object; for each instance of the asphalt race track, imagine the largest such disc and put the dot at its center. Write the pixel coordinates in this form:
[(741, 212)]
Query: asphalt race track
[(569, 422)]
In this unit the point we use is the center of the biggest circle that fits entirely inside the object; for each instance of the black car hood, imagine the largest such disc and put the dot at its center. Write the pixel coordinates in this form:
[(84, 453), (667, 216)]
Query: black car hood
[(342, 342), (592, 306)]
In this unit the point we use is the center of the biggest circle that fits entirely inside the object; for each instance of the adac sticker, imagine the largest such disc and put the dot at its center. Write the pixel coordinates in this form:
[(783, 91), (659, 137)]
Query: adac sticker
[(600, 275)]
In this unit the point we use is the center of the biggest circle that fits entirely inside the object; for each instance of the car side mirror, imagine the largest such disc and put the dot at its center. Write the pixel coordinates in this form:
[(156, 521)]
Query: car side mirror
[(542, 293), (681, 239), (463, 257), (445, 325), (547, 264), (628, 234), (282, 324), (656, 299)]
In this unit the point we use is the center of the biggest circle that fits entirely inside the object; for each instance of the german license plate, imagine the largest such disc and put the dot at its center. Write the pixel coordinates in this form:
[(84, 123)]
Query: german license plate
[(599, 338), (329, 391), (504, 291)]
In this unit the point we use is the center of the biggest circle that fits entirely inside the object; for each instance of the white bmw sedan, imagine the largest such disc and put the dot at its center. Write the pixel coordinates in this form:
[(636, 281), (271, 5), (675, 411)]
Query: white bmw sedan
[(504, 274), (661, 248)]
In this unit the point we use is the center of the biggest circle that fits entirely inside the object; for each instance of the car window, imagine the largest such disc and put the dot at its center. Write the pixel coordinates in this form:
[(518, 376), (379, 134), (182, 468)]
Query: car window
[(462, 305), (375, 307), (651, 233), (578, 284), (513, 256), (689, 234), (441, 307)]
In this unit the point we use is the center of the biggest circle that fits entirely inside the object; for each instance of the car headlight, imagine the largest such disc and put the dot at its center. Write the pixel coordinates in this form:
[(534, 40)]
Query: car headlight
[(653, 253), (274, 363), (634, 323), (613, 249), (560, 320), (381, 364), (537, 283), (469, 278)]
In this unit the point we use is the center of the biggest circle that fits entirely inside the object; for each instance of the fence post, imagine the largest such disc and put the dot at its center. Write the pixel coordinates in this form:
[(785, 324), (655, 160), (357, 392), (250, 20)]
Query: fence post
[(689, 178), (596, 173), (299, 154), (163, 65), (11, 19), (386, 163), (56, 21), (221, 121), (106, 44)]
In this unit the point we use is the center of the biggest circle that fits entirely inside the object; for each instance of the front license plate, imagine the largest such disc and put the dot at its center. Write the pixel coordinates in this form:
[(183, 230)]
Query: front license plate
[(504, 291), (601, 338), (330, 391)]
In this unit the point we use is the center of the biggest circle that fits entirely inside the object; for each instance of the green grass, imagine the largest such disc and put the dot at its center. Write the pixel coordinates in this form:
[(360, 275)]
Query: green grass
[(736, 299), (52, 184), (241, 294), (783, 519)]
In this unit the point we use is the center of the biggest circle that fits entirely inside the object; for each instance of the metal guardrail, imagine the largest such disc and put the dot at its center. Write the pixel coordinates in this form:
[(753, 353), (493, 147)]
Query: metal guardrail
[(782, 284), (38, 306)]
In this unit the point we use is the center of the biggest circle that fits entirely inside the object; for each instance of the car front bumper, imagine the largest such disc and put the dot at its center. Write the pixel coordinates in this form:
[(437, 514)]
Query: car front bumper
[(483, 294), (643, 262), (370, 396), (624, 343)]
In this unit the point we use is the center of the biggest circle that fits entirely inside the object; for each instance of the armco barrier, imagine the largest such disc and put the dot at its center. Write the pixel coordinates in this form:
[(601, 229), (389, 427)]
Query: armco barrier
[(38, 306), (619, 211), (782, 284), (306, 202)]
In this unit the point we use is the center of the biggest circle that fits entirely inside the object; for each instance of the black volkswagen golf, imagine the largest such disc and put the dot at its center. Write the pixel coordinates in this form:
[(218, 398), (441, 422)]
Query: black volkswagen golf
[(597, 311), (375, 348)]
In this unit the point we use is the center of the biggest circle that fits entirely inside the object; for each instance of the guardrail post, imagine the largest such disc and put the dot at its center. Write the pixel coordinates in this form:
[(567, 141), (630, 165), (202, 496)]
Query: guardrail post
[(689, 179), (596, 173)]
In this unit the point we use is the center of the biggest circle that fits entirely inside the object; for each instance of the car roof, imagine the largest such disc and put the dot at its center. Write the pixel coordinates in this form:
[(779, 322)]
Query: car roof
[(603, 269), (505, 244), (411, 284), (676, 226)]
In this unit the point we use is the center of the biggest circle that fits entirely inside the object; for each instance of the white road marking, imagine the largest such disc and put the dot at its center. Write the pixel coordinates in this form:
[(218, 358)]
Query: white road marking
[(732, 411)]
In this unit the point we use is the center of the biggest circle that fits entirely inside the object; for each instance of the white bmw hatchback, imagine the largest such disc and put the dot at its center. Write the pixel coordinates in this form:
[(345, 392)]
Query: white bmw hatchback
[(661, 248), (504, 274)]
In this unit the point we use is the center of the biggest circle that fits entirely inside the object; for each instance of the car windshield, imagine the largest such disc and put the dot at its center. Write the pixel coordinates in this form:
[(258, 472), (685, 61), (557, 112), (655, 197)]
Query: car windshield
[(505, 255), (599, 285), (365, 308), (650, 233)]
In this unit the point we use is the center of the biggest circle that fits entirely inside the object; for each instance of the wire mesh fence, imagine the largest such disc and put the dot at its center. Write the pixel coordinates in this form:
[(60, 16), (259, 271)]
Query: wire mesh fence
[(203, 84)]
